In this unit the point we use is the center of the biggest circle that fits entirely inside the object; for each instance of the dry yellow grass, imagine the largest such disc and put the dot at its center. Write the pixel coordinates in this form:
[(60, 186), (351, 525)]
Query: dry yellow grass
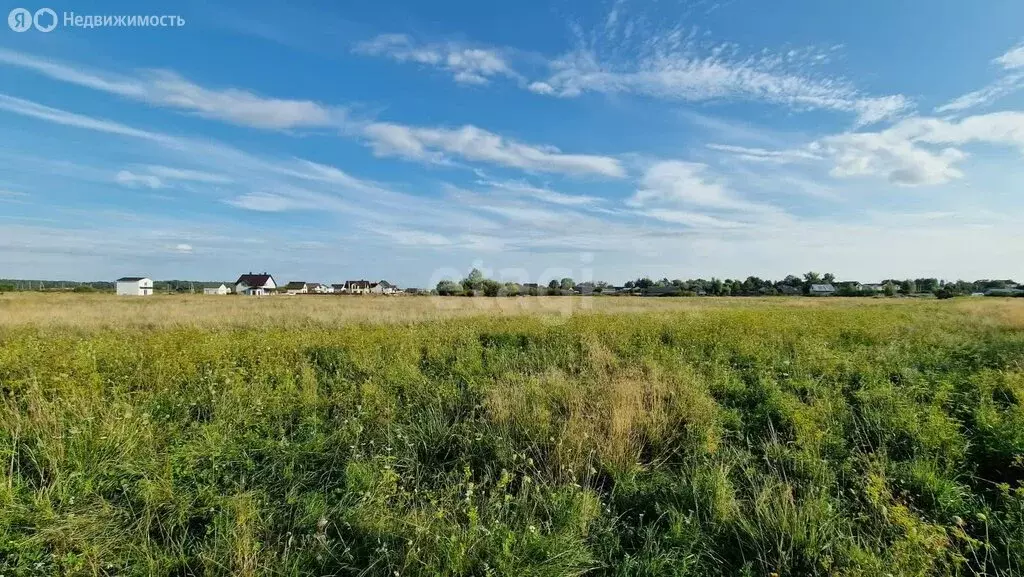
[(165, 311)]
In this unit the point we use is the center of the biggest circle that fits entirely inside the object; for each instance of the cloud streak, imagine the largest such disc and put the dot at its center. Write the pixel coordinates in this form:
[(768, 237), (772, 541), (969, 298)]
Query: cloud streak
[(920, 151), (437, 145), (1012, 63), (168, 89), (466, 64)]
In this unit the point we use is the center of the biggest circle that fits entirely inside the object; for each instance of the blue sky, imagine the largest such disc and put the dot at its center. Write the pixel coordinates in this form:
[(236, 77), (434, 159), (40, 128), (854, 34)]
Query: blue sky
[(600, 140)]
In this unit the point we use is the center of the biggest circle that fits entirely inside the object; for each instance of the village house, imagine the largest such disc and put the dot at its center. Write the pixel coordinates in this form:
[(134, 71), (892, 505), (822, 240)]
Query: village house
[(296, 287), (221, 290), (338, 288), (318, 288), (255, 284), (382, 288), (134, 286), (357, 287), (663, 291), (822, 290)]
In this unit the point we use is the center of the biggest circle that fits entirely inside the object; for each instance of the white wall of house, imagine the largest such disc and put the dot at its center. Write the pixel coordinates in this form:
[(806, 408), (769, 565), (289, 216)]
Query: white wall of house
[(221, 290), (244, 289), (141, 287)]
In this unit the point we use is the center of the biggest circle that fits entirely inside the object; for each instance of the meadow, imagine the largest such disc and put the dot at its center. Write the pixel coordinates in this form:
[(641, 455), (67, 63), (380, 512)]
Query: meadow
[(532, 437)]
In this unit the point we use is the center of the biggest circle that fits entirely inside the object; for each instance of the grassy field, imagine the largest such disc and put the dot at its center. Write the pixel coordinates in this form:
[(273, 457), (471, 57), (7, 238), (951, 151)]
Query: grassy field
[(105, 311), (418, 436)]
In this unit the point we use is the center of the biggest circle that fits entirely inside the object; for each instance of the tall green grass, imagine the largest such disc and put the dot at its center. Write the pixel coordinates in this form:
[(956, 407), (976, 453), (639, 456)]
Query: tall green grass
[(791, 441)]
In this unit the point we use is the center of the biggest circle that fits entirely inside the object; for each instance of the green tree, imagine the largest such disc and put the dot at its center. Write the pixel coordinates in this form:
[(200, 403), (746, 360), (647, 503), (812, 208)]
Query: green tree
[(449, 288), (567, 284), (475, 280), (889, 289), (491, 287)]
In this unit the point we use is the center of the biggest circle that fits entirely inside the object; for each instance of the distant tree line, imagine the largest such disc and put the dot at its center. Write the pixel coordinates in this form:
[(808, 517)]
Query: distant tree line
[(164, 286), (476, 284)]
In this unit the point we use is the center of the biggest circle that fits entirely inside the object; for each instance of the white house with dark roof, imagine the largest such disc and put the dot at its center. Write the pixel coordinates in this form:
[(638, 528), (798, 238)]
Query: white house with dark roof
[(357, 287), (136, 286), (221, 290), (382, 288), (255, 284)]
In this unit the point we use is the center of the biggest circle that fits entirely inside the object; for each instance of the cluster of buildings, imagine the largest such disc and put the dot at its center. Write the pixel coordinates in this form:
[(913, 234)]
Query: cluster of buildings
[(259, 284)]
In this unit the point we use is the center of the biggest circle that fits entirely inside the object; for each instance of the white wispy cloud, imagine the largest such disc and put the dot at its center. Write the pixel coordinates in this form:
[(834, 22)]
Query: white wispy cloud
[(1011, 63), (258, 183), (170, 173), (919, 150), (409, 237), (1013, 58), (466, 64), (168, 89), (755, 154), (478, 145), (522, 188), (55, 115), (155, 176), (265, 202), (131, 179), (676, 183), (892, 157), (675, 66), (689, 218)]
